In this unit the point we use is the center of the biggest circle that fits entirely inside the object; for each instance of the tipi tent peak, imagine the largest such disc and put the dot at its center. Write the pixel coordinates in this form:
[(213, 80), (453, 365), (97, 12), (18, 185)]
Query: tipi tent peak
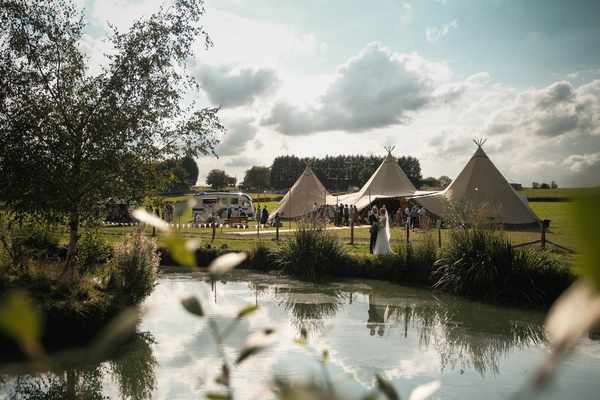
[(480, 187), (300, 199), (388, 181)]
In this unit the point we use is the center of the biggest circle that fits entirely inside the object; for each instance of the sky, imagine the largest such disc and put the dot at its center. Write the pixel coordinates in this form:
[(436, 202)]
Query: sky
[(314, 78)]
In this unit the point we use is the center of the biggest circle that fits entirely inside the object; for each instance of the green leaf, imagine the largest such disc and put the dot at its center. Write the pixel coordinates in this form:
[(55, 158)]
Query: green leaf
[(587, 219), (248, 310), (248, 352), (183, 251), (218, 396), (193, 306), (116, 332), (386, 388), (22, 321), (325, 357)]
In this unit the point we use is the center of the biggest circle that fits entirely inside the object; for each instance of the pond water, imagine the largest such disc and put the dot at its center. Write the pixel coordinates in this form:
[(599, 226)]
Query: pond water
[(410, 336)]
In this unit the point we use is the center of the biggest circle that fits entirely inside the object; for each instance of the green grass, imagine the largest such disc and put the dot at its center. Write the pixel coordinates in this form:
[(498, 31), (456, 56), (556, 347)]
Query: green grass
[(560, 193)]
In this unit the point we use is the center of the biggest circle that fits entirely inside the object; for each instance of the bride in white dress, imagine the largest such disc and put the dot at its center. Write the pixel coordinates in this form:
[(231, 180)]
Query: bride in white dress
[(382, 244)]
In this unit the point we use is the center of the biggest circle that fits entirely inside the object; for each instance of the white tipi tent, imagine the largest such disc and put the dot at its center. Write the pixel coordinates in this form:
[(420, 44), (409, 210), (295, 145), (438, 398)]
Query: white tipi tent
[(388, 181), (480, 187), (302, 196)]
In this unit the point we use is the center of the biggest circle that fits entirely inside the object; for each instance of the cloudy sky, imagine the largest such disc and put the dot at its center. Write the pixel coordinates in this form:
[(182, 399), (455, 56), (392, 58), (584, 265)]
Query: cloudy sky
[(313, 78)]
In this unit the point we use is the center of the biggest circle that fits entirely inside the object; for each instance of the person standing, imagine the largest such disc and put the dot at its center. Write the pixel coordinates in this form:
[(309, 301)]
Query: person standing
[(264, 217), (372, 218), (382, 243), (346, 215)]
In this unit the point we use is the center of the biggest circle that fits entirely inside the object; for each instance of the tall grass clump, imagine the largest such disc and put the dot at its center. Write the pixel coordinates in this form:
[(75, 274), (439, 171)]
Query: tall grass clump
[(92, 251), (134, 268), (21, 242), (482, 264), (312, 254)]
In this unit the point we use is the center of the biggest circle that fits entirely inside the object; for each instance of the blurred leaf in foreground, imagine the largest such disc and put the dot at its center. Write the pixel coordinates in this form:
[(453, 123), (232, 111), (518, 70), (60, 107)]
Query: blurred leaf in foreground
[(183, 251), (587, 219), (22, 321), (225, 263)]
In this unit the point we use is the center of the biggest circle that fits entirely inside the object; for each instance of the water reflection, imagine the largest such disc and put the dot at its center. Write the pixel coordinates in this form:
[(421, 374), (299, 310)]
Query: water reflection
[(132, 369), (464, 334), (408, 335)]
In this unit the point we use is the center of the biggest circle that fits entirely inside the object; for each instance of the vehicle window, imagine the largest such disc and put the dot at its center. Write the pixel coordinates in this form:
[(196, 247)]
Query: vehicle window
[(209, 201), (235, 201)]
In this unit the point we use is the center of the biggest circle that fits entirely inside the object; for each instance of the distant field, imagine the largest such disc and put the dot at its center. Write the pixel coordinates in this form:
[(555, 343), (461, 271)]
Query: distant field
[(561, 193)]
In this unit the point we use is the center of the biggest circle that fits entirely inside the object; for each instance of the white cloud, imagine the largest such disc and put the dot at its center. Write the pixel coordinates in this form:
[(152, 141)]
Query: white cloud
[(552, 111), (230, 87), (581, 162), (374, 89), (239, 132), (435, 33)]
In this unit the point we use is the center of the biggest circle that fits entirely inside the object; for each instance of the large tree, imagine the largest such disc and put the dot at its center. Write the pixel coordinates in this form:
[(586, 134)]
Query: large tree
[(257, 178), (70, 138), (218, 179), (412, 168)]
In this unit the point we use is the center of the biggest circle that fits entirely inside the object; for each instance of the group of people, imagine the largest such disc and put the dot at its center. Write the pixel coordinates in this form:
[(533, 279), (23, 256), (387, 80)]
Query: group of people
[(379, 243), (344, 214), (262, 215), (415, 216)]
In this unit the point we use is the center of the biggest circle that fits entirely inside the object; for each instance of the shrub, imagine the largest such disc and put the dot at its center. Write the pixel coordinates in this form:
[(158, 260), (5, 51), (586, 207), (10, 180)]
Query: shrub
[(262, 258), (92, 250), (312, 254), (482, 264), (134, 268), (21, 242)]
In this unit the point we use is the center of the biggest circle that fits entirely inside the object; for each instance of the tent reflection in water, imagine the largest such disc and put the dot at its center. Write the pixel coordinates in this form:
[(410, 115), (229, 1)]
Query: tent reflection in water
[(484, 192), (302, 196), (388, 181)]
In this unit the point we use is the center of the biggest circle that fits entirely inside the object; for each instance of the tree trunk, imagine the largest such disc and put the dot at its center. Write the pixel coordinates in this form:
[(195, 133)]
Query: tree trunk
[(73, 237)]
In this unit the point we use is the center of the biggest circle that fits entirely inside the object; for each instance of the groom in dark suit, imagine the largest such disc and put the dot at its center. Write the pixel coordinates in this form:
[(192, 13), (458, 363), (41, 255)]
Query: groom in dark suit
[(374, 228)]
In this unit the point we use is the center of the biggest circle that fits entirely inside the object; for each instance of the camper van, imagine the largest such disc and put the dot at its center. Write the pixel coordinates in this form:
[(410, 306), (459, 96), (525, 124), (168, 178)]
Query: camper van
[(221, 206)]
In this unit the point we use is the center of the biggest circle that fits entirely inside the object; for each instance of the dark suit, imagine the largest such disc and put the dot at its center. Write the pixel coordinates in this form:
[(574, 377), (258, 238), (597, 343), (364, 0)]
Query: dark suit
[(372, 231)]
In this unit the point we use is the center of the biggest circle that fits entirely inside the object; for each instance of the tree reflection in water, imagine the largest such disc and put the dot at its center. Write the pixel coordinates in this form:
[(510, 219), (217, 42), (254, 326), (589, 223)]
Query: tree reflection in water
[(133, 370), (308, 308), (465, 335)]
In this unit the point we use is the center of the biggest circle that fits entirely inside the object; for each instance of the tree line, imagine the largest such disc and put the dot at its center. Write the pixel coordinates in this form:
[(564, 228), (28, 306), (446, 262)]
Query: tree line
[(337, 173)]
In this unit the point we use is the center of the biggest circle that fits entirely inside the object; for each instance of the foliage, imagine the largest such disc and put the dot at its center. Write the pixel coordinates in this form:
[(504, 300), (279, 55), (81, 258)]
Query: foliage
[(21, 241), (218, 179), (412, 169), (176, 175), (92, 250), (312, 254), (337, 173), (70, 138), (482, 264), (257, 179), (134, 268)]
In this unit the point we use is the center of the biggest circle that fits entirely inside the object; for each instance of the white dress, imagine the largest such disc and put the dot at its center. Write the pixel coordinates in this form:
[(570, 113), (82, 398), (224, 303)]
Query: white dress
[(382, 244)]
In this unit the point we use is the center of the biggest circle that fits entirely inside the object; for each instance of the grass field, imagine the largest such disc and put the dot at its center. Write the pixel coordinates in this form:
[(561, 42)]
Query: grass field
[(560, 193), (561, 231)]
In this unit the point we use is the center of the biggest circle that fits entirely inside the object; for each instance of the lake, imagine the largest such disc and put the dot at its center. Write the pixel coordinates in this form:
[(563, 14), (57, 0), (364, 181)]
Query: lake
[(410, 336)]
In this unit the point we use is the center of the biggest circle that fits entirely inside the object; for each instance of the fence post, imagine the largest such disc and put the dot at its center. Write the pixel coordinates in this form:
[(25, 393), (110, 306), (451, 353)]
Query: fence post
[(214, 230), (407, 233), (277, 231), (439, 227), (352, 229), (257, 229), (545, 224)]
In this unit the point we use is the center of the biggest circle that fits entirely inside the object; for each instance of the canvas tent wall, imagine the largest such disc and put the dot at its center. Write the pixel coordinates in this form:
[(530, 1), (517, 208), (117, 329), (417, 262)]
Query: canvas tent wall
[(388, 181), (482, 190), (302, 196)]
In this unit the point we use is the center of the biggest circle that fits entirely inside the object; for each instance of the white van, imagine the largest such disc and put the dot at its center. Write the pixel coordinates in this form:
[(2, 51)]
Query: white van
[(221, 206)]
